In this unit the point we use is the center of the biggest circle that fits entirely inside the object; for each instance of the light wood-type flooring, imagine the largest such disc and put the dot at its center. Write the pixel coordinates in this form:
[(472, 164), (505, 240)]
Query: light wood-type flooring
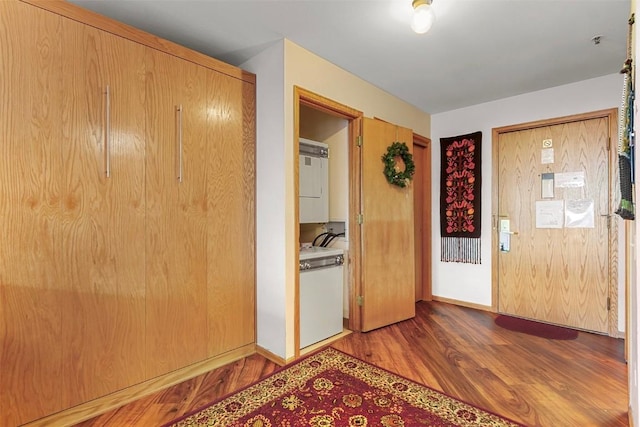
[(457, 350)]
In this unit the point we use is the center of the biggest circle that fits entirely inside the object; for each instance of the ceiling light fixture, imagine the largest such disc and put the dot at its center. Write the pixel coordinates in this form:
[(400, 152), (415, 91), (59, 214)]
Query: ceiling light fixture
[(423, 16)]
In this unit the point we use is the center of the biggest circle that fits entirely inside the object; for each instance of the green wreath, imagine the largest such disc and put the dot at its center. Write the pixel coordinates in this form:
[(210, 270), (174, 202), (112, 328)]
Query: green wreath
[(394, 176)]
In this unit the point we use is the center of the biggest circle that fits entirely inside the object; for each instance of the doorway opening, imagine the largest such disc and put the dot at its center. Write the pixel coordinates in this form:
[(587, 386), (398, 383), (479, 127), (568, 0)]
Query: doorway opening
[(370, 211), (320, 119)]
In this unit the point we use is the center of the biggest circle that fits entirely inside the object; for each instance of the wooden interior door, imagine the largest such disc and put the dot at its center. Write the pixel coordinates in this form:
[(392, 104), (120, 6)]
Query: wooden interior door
[(422, 216), (176, 236), (31, 281), (103, 312), (388, 270), (556, 275)]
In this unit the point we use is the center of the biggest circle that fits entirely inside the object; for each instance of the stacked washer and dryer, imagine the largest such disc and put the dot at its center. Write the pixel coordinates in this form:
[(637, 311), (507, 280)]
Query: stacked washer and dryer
[(321, 268)]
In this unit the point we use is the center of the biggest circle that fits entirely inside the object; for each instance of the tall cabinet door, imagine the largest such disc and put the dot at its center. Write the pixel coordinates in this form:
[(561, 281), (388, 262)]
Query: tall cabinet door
[(103, 207), (176, 213), (231, 214), (30, 176)]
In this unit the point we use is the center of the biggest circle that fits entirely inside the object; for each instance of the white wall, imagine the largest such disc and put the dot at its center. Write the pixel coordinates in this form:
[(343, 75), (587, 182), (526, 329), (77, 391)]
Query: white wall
[(270, 198), (471, 283)]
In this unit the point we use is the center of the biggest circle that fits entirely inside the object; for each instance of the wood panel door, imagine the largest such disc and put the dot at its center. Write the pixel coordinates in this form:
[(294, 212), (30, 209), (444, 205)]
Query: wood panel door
[(31, 281), (422, 216), (230, 214), (388, 270), (176, 236), (557, 267), (103, 214)]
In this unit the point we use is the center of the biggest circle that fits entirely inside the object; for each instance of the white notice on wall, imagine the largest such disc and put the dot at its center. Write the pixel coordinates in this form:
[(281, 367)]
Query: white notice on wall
[(549, 214), (579, 214), (569, 179), (546, 156)]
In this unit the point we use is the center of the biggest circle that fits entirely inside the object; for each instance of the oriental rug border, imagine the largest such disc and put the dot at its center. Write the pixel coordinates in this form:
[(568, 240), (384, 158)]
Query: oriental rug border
[(332, 388)]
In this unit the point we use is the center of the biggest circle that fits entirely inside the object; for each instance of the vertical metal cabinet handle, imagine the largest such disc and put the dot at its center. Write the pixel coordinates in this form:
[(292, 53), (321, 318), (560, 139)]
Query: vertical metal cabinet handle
[(179, 141), (107, 133)]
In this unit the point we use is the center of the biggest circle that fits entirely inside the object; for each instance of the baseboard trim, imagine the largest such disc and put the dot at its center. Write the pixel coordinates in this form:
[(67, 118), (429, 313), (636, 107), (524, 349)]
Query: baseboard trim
[(119, 398), (324, 343), (463, 303), (281, 361), (270, 356)]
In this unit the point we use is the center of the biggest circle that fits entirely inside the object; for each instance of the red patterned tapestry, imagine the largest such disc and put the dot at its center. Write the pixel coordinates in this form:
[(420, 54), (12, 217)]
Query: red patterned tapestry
[(331, 388), (460, 190)]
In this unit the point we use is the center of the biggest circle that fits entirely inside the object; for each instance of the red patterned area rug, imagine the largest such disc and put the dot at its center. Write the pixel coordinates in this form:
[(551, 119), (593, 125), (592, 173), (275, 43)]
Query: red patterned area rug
[(331, 388)]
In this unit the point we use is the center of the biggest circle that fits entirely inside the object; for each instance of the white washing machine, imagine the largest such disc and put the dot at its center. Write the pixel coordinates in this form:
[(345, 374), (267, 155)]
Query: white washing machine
[(321, 291)]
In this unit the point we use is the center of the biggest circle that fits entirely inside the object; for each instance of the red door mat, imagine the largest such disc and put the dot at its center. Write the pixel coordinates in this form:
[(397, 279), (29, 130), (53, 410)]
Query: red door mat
[(539, 329)]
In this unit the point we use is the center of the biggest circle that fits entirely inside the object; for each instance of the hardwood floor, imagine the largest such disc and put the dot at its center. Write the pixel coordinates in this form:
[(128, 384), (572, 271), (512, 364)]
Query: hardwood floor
[(457, 350)]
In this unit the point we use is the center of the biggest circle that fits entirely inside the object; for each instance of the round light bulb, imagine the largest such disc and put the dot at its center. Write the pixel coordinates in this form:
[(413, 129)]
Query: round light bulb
[(423, 18)]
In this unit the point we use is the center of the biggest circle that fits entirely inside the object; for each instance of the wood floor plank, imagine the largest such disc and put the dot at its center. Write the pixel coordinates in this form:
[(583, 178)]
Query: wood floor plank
[(457, 350)]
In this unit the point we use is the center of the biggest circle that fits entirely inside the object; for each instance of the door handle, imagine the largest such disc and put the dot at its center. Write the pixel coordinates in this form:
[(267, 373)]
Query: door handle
[(179, 146), (107, 132)]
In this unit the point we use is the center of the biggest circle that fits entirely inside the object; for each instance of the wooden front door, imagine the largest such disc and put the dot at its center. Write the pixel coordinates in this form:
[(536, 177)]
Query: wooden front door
[(388, 269), (553, 189)]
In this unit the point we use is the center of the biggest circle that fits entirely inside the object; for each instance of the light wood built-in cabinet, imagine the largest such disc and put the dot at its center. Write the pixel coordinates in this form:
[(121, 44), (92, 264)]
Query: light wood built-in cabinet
[(231, 215), (102, 217), (127, 213), (32, 286), (176, 238)]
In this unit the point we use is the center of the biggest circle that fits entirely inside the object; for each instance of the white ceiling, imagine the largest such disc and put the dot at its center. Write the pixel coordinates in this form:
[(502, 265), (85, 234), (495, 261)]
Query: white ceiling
[(477, 50)]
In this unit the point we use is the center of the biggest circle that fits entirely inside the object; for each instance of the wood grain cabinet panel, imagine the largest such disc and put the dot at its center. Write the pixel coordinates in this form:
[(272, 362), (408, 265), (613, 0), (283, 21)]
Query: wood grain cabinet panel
[(127, 210), (103, 207), (231, 214), (31, 284), (176, 237)]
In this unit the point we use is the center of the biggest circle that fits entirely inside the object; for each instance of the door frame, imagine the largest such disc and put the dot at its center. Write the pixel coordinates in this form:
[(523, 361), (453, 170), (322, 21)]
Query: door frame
[(312, 100), (612, 115)]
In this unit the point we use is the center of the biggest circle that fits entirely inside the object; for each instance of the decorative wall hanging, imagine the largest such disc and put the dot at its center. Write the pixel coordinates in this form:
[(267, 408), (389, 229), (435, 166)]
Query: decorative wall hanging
[(392, 172), (626, 138), (460, 189)]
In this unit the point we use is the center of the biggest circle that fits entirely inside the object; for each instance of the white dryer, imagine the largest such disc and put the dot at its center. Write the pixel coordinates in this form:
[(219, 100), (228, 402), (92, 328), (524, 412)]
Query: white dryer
[(321, 293)]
